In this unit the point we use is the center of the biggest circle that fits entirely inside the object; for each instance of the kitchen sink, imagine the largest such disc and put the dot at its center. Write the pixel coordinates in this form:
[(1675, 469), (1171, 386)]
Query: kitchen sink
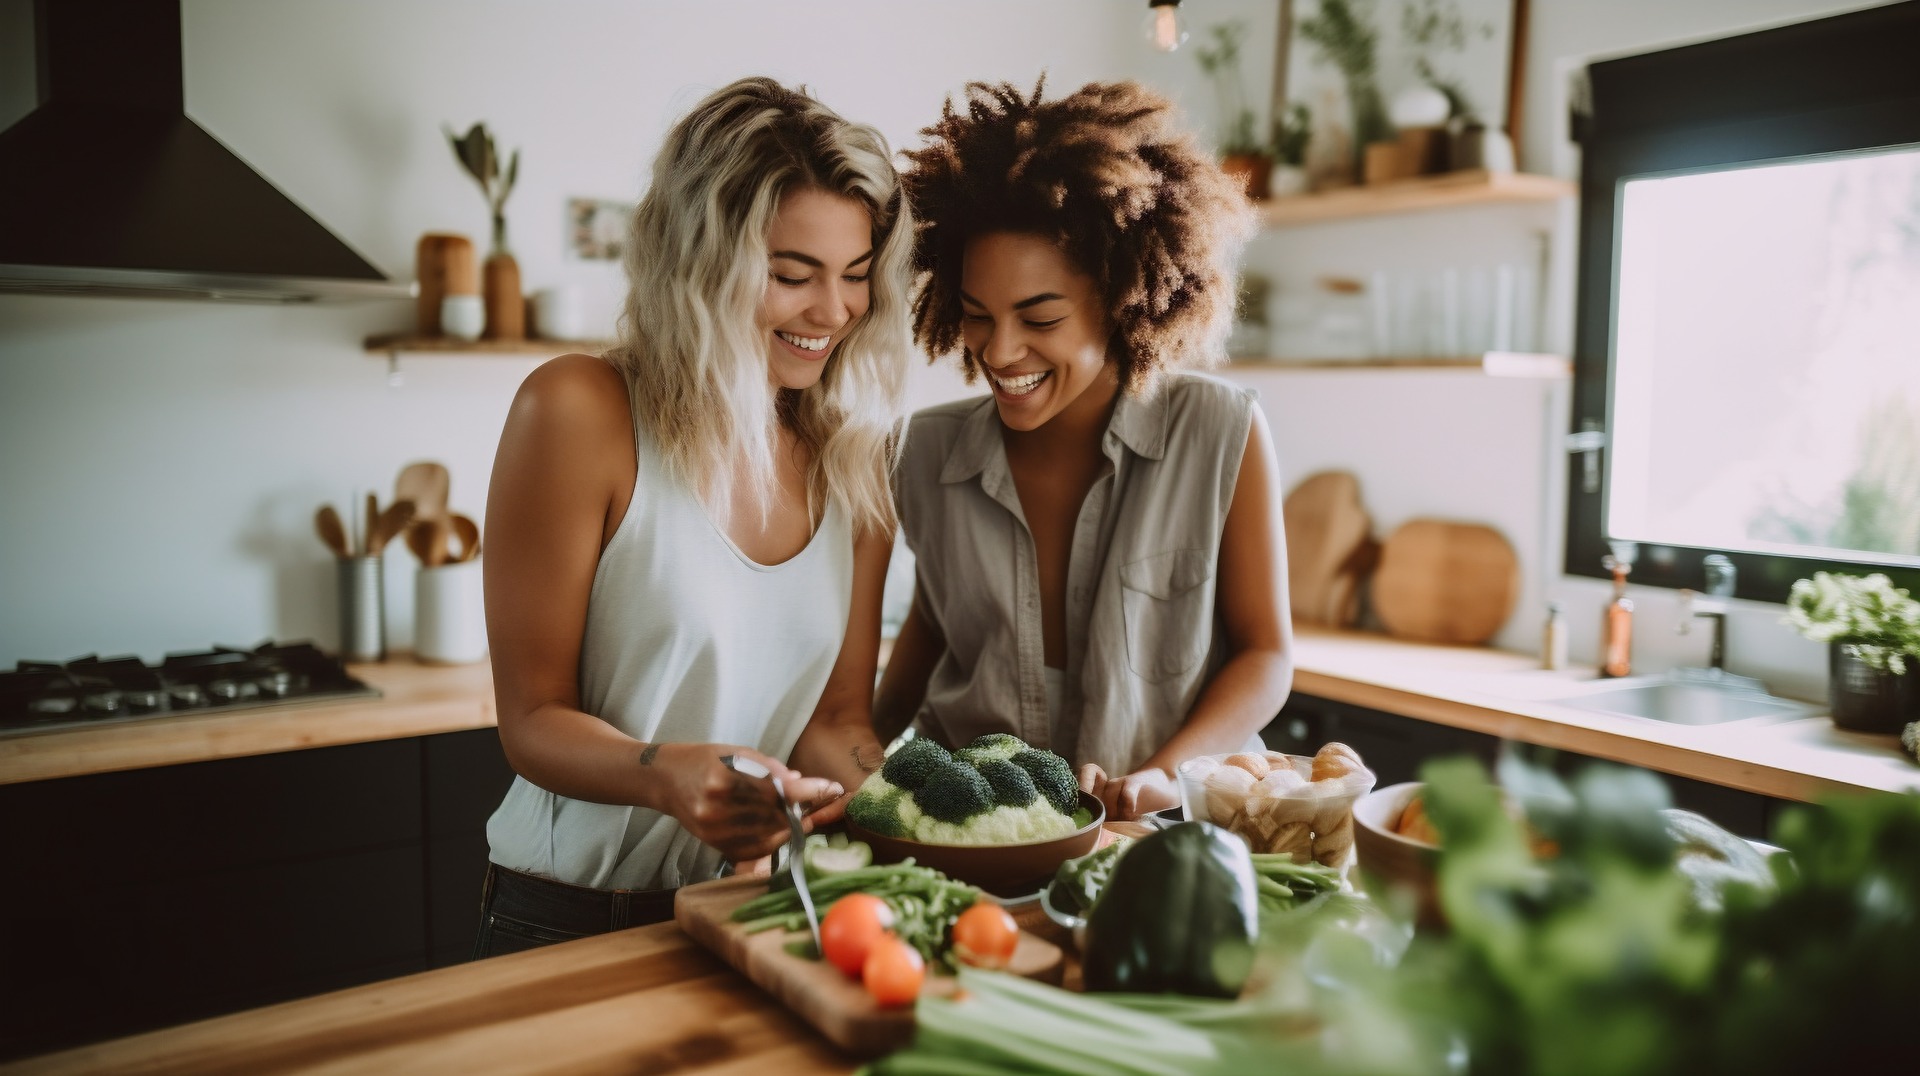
[(1686, 699)]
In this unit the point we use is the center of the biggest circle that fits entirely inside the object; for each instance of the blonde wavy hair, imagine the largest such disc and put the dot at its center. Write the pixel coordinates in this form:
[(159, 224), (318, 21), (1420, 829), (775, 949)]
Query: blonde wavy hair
[(690, 343)]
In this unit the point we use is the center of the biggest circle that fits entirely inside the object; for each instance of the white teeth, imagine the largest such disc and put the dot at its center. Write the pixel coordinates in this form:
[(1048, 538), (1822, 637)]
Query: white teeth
[(810, 343), (1019, 386)]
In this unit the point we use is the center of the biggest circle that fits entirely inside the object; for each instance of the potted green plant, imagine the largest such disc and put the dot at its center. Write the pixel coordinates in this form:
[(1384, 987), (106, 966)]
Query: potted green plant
[(1241, 153), (1343, 34), (1291, 133), (500, 276), (1872, 629)]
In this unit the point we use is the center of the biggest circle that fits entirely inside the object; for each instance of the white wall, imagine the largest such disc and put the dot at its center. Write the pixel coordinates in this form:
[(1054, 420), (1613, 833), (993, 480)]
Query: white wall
[(160, 462)]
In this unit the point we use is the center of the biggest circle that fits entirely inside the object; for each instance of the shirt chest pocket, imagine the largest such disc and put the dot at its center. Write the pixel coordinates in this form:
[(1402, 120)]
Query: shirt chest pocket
[(1166, 600)]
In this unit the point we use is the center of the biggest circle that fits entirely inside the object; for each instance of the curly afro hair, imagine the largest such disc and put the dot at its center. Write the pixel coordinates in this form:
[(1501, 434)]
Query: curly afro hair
[(1108, 174)]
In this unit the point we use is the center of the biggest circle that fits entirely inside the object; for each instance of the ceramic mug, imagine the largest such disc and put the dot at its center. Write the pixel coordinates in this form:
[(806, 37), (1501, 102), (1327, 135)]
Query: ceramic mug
[(449, 614), (462, 316), (558, 314)]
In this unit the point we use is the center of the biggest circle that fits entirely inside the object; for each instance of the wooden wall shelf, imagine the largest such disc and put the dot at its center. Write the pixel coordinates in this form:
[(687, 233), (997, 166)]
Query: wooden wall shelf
[(409, 343), (1493, 364), (1448, 190)]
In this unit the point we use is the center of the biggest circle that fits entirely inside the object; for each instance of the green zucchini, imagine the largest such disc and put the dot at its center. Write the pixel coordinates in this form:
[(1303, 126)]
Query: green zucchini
[(1180, 915)]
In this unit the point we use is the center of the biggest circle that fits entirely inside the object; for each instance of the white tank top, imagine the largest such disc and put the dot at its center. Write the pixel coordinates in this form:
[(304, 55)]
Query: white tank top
[(687, 641)]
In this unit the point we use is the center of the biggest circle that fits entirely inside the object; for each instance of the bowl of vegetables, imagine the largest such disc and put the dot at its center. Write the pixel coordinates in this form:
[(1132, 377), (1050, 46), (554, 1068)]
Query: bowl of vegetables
[(996, 814), (1397, 847)]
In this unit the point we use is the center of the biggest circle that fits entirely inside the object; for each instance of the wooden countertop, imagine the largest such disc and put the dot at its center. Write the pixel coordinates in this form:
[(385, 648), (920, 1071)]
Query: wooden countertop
[(415, 700), (641, 1000), (1508, 695), (1488, 691)]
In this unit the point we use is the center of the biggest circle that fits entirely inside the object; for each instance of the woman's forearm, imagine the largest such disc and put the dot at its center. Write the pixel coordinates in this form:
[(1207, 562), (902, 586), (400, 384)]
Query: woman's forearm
[(574, 754), (839, 746), (1242, 698)]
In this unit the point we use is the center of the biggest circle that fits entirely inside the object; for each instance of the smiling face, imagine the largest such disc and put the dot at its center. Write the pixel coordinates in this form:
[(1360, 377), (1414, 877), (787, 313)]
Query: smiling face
[(1038, 327), (819, 251)]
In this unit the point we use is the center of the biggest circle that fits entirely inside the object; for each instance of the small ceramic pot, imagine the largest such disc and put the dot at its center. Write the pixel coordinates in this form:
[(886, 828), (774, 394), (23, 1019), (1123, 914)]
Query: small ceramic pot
[(1866, 699), (462, 316)]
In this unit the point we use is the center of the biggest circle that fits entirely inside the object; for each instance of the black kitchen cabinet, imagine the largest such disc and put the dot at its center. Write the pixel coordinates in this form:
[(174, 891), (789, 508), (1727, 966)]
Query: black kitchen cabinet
[(1395, 747), (151, 897)]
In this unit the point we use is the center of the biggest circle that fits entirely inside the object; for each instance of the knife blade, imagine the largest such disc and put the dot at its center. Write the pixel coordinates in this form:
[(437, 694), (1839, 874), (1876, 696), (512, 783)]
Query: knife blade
[(796, 860)]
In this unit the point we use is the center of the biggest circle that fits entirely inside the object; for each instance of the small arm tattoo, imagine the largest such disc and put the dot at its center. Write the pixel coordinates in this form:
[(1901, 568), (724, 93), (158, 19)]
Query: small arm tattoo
[(647, 753), (867, 757)]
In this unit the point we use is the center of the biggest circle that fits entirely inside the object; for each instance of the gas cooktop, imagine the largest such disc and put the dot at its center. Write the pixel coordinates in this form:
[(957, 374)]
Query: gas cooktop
[(40, 695)]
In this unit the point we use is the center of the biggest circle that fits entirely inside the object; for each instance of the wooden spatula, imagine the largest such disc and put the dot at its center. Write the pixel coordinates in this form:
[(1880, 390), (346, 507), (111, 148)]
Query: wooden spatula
[(425, 484), (427, 538)]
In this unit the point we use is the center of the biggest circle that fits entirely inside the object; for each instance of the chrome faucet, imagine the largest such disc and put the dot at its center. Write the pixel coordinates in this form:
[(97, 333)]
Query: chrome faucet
[(1712, 606)]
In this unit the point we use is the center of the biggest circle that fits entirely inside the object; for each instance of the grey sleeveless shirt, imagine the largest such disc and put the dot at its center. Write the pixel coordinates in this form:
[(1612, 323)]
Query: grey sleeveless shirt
[(1143, 637)]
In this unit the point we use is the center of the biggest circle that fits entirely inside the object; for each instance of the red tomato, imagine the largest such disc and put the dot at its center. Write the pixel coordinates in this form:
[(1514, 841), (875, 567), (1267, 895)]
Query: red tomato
[(851, 927), (985, 936), (893, 972)]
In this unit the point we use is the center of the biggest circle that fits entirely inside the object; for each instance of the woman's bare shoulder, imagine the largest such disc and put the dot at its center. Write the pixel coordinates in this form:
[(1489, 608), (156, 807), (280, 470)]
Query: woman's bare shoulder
[(575, 396)]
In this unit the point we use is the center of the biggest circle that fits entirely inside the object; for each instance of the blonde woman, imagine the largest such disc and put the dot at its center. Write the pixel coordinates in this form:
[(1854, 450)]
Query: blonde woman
[(687, 538)]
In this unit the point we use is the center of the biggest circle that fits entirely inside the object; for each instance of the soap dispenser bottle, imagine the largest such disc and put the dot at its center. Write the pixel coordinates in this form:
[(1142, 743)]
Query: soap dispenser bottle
[(1616, 625)]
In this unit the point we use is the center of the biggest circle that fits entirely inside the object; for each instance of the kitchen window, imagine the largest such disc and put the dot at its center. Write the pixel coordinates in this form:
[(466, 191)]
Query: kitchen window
[(1748, 325)]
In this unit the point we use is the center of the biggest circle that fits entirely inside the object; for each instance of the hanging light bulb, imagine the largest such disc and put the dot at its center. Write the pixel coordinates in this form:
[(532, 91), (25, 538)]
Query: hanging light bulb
[(1164, 31)]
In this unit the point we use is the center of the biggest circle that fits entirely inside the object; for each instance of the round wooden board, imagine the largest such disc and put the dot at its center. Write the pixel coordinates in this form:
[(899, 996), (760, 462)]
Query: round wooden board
[(1329, 546), (1441, 582)]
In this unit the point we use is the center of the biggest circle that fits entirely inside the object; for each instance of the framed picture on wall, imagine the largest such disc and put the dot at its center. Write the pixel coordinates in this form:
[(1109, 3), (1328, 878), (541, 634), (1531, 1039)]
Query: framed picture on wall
[(1355, 64), (596, 228)]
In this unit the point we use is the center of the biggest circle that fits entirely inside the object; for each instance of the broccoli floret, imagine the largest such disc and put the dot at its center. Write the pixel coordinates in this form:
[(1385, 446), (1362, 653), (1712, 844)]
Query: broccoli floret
[(998, 745), (912, 762), (974, 756), (1052, 776), (878, 813), (1011, 785), (954, 793)]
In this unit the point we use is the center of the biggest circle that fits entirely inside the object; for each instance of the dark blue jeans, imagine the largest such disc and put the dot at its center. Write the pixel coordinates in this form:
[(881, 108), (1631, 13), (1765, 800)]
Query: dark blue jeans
[(519, 911)]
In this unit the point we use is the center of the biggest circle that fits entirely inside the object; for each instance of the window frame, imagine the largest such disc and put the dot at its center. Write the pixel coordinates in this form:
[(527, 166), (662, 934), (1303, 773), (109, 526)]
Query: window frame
[(1843, 84)]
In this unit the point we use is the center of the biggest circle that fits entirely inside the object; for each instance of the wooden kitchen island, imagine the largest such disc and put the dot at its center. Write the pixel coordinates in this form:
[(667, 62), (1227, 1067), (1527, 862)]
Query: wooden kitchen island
[(639, 1001)]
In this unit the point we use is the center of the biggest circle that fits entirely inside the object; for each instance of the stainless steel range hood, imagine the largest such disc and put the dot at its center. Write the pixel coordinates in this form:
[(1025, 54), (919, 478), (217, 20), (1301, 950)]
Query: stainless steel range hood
[(107, 188)]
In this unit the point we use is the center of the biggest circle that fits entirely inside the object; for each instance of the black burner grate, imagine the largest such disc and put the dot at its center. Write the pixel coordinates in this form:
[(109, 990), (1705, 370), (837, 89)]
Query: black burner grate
[(41, 695)]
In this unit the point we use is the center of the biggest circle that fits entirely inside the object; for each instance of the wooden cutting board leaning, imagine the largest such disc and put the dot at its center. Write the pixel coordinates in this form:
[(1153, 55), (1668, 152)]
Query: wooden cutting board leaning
[(1443, 582), (814, 989), (1330, 549)]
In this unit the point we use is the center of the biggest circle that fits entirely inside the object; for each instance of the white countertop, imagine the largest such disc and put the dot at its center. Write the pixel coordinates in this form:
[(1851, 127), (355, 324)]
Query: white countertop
[(1507, 695)]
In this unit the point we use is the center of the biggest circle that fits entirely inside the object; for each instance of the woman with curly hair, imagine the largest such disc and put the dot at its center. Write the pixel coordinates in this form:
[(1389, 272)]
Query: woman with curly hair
[(687, 538), (1100, 563)]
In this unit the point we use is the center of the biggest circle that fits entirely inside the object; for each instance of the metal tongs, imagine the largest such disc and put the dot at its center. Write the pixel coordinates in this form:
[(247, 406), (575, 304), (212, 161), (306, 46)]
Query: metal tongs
[(796, 840)]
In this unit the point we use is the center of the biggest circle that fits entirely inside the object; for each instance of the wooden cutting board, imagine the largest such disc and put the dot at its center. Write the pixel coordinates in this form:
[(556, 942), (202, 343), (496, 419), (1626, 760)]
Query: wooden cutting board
[(817, 991), (1329, 549), (1442, 582)]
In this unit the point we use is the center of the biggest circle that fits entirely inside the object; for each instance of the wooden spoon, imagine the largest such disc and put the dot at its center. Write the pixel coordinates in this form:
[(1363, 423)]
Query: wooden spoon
[(326, 522), (373, 525), (465, 529), (425, 484), (427, 538), (392, 522)]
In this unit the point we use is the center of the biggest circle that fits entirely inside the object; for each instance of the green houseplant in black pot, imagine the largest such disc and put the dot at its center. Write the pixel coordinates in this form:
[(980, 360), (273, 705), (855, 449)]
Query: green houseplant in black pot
[(1872, 629)]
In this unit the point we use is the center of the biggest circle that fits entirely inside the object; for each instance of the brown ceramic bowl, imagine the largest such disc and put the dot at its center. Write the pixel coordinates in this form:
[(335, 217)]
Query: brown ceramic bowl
[(1005, 870), (1397, 869)]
